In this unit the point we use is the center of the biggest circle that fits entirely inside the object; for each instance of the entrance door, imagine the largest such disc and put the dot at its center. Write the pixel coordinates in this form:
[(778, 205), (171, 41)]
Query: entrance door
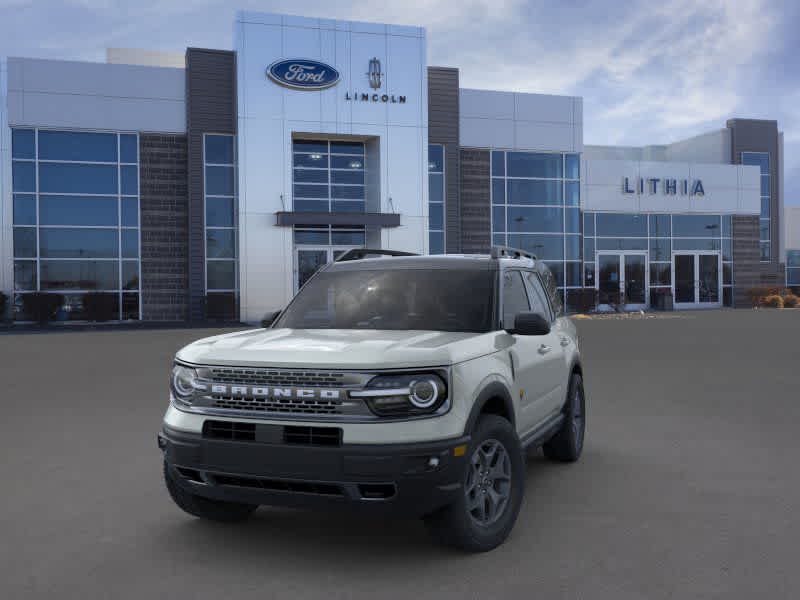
[(308, 260), (697, 279), (622, 280)]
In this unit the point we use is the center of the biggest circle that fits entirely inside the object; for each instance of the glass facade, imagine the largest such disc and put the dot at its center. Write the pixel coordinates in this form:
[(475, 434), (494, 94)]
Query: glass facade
[(76, 220), (761, 160), (221, 223), (536, 207), (328, 176), (436, 199), (793, 268)]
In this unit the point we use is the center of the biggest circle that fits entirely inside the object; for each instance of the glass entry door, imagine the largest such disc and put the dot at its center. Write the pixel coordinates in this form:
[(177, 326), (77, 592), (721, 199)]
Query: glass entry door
[(308, 260), (697, 279), (622, 280)]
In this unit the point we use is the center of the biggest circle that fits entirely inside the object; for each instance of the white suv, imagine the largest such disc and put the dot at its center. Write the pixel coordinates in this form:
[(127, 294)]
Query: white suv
[(391, 382)]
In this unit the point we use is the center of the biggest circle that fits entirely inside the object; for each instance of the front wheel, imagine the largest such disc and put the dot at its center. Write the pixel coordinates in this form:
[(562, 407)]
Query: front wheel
[(493, 486), (567, 444)]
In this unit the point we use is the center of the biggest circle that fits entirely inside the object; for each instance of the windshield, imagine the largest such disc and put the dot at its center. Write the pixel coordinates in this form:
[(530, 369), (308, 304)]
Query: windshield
[(429, 299)]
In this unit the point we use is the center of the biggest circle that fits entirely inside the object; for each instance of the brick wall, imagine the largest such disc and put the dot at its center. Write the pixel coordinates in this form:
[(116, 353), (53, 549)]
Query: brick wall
[(165, 231), (476, 216)]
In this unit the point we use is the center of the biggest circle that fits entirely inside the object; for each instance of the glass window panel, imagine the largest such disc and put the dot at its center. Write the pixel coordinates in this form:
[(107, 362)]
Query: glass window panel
[(348, 238), (345, 162), (535, 220), (221, 274), (311, 205), (572, 245), (219, 212), (24, 209), (763, 229), (130, 212), (765, 185), (311, 175), (128, 148), (793, 258), (727, 226), (347, 192), (573, 274), (357, 177), (130, 307), (310, 146), (621, 243), (660, 226), (310, 191), (623, 225), (130, 243), (727, 297), (499, 239), (435, 158), (220, 181), (219, 149), (572, 220), (766, 251), (312, 237), (57, 242), (436, 242), (25, 275), (573, 166), (498, 218), (793, 277), (588, 274), (727, 273), (79, 275), (661, 274), (572, 190), (759, 159), (695, 244), (25, 242), (77, 210), (23, 176), (498, 191), (130, 274), (347, 148), (557, 269), (23, 143), (77, 145), (588, 224), (498, 163), (528, 191), (436, 216), (765, 208), (545, 247), (77, 179), (129, 183), (435, 187), (314, 160), (515, 298), (220, 243), (348, 206), (660, 249), (532, 164), (588, 249)]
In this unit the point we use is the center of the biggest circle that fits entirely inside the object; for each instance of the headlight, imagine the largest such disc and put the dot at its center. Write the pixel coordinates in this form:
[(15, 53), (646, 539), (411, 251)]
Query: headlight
[(184, 383), (405, 395)]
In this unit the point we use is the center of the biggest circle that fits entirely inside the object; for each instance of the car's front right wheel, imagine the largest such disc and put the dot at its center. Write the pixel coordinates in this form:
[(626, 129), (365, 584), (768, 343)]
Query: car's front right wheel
[(493, 485)]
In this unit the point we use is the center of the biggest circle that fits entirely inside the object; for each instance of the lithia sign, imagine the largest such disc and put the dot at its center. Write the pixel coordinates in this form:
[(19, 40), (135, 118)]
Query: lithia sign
[(306, 74), (667, 186)]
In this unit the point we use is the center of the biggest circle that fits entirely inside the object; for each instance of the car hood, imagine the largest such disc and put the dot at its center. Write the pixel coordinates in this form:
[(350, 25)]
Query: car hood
[(338, 348)]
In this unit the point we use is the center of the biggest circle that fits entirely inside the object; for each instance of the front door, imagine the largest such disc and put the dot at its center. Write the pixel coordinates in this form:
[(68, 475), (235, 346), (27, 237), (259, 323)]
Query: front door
[(308, 260), (622, 280), (697, 279)]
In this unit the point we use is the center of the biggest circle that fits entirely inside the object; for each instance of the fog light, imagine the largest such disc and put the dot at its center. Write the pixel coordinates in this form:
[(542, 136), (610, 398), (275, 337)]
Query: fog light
[(433, 462)]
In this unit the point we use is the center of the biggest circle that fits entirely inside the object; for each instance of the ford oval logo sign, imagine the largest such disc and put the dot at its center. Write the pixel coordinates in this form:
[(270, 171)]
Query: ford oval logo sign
[(303, 74)]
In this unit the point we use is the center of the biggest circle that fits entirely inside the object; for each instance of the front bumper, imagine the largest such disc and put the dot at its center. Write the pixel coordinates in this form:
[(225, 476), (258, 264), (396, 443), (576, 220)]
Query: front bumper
[(414, 479)]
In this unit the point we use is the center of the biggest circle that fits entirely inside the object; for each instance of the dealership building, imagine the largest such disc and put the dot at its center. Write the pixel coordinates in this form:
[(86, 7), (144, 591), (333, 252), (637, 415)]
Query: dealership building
[(212, 183)]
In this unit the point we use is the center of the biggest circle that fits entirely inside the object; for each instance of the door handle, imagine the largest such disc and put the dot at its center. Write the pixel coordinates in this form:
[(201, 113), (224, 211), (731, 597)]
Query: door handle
[(544, 349)]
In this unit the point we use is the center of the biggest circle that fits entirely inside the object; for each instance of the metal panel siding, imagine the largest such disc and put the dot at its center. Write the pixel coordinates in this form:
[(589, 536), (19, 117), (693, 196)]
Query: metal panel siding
[(476, 216), (210, 108), (443, 128)]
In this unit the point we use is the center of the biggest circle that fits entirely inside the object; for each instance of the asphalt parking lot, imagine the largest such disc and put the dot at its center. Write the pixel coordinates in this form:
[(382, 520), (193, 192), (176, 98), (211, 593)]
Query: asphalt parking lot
[(688, 486)]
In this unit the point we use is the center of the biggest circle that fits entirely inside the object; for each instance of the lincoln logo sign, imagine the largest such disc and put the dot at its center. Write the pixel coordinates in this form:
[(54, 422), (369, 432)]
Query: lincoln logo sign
[(302, 74), (669, 187)]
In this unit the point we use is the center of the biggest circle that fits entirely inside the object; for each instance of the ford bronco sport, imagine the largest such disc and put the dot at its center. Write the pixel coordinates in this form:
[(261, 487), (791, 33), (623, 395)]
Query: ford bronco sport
[(391, 382)]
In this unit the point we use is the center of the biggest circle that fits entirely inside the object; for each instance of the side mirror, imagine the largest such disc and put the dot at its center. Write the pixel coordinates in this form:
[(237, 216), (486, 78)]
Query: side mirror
[(530, 323), (269, 319)]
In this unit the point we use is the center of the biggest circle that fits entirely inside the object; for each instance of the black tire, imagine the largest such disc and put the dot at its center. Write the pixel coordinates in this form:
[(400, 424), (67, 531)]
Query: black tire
[(205, 508), (456, 525), (567, 444)]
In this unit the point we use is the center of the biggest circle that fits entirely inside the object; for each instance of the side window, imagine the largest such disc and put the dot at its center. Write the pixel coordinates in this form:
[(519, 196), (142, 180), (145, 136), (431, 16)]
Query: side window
[(538, 298), (515, 299)]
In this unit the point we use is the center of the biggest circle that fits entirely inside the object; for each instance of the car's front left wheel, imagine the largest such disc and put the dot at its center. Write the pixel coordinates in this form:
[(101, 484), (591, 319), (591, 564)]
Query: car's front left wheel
[(493, 485)]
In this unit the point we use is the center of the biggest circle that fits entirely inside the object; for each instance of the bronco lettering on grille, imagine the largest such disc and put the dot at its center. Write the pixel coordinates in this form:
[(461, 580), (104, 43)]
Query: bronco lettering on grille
[(274, 392)]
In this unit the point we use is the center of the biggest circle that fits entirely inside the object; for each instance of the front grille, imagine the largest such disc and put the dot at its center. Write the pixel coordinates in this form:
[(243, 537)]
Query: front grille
[(226, 430), (279, 405), (312, 436), (279, 485), (271, 377)]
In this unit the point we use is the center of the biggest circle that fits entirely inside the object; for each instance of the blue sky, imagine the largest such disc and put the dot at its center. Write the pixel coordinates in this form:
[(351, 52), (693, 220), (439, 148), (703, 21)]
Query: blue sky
[(649, 72)]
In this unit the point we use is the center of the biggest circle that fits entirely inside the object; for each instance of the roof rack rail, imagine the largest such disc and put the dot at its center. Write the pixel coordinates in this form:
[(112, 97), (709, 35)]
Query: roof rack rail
[(508, 252), (359, 253)]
